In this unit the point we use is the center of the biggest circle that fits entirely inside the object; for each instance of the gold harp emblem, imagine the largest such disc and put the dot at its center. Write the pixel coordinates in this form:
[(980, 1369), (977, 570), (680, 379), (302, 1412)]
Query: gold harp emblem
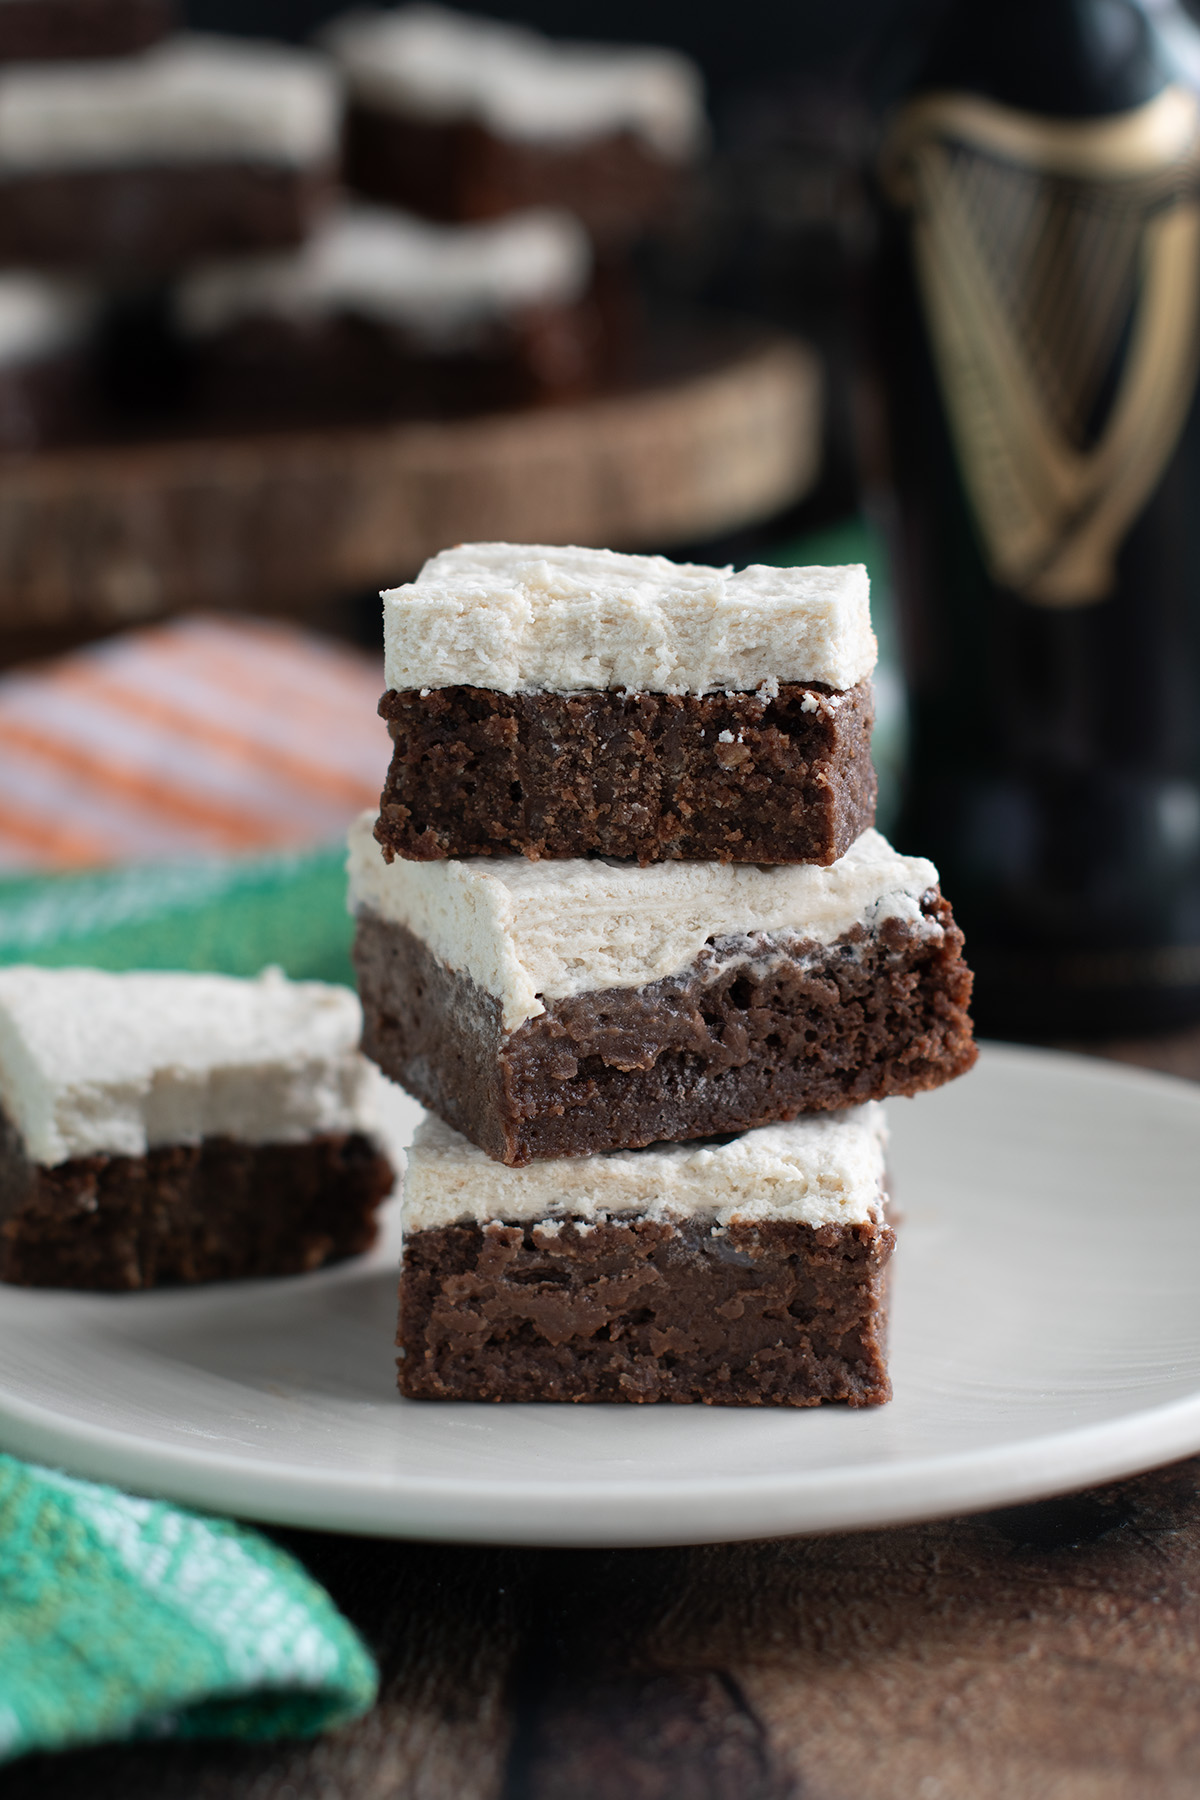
[(1059, 266)]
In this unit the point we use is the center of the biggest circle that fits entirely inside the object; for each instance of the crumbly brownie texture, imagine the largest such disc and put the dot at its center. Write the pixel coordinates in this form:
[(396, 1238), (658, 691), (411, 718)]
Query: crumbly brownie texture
[(155, 218), (459, 171), (45, 30), (186, 1213), (762, 1314), (736, 777), (777, 1030)]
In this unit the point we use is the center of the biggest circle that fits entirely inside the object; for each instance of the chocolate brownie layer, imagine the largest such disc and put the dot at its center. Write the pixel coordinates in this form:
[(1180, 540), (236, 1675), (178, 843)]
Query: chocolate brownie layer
[(735, 777), (185, 1213), (46, 30), (460, 171), (764, 1314), (269, 371), (756, 1031), (155, 217), (44, 402)]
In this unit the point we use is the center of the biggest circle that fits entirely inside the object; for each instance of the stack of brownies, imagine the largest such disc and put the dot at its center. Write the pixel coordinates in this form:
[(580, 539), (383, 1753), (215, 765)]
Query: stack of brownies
[(175, 247), (129, 151), (495, 183), (480, 258), (625, 928)]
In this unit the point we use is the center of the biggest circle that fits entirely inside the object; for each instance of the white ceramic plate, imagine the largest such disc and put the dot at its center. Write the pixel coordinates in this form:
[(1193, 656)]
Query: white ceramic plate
[(1046, 1334)]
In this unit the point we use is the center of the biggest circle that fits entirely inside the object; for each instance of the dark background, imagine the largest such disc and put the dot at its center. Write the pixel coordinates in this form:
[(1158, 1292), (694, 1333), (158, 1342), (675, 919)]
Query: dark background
[(738, 43)]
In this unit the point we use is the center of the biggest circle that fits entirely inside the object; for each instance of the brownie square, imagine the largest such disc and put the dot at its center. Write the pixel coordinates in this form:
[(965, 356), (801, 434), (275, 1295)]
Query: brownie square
[(554, 701), (616, 184), (198, 147), (747, 1272), (462, 118), (382, 315), (522, 1001), (161, 1127)]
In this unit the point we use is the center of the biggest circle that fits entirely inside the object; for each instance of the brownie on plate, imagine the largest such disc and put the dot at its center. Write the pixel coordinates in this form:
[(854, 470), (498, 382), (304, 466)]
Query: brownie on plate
[(745, 1272), (164, 1128)]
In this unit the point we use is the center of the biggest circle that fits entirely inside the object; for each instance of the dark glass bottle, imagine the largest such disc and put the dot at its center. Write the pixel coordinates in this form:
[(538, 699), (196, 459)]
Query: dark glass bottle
[(1037, 305)]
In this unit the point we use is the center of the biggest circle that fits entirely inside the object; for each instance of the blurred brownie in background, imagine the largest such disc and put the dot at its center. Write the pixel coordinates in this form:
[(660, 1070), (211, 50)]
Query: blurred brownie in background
[(51, 30), (200, 147), (46, 331), (466, 118), (381, 314)]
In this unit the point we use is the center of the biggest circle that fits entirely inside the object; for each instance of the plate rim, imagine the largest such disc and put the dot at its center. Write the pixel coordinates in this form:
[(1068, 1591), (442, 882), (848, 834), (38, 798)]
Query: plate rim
[(718, 1508), (841, 1500)]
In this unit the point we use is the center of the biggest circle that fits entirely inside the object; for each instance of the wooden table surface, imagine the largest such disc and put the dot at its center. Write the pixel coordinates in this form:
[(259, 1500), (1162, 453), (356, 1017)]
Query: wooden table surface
[(1043, 1652)]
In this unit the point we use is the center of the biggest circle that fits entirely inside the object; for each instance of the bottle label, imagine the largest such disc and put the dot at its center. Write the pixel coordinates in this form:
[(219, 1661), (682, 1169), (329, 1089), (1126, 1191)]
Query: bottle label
[(1058, 263)]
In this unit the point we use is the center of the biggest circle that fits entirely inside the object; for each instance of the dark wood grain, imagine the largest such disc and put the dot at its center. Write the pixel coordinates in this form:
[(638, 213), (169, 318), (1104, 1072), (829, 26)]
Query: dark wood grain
[(1044, 1652), (442, 1624)]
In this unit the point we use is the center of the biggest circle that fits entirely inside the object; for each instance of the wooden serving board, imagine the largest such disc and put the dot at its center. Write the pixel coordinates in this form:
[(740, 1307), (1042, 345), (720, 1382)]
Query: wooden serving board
[(100, 536)]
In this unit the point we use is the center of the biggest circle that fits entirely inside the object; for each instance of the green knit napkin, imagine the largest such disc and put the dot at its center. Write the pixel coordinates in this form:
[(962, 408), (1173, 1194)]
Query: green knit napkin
[(122, 1617)]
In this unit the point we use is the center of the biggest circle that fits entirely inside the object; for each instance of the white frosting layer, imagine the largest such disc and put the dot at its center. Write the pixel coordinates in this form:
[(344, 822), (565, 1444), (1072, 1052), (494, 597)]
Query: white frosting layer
[(438, 282), (521, 617), (827, 1169), (186, 100), (528, 932), (41, 317), (92, 1062), (433, 64)]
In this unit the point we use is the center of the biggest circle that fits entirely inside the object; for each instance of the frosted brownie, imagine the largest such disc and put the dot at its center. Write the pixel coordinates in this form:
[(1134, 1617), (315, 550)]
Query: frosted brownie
[(565, 702), (46, 336), (460, 118), (169, 1127), (750, 1272), (199, 147), (381, 312), (561, 1008), (43, 30)]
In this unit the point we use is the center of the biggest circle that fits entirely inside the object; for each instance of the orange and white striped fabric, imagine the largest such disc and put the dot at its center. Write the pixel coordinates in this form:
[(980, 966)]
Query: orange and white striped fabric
[(203, 736)]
